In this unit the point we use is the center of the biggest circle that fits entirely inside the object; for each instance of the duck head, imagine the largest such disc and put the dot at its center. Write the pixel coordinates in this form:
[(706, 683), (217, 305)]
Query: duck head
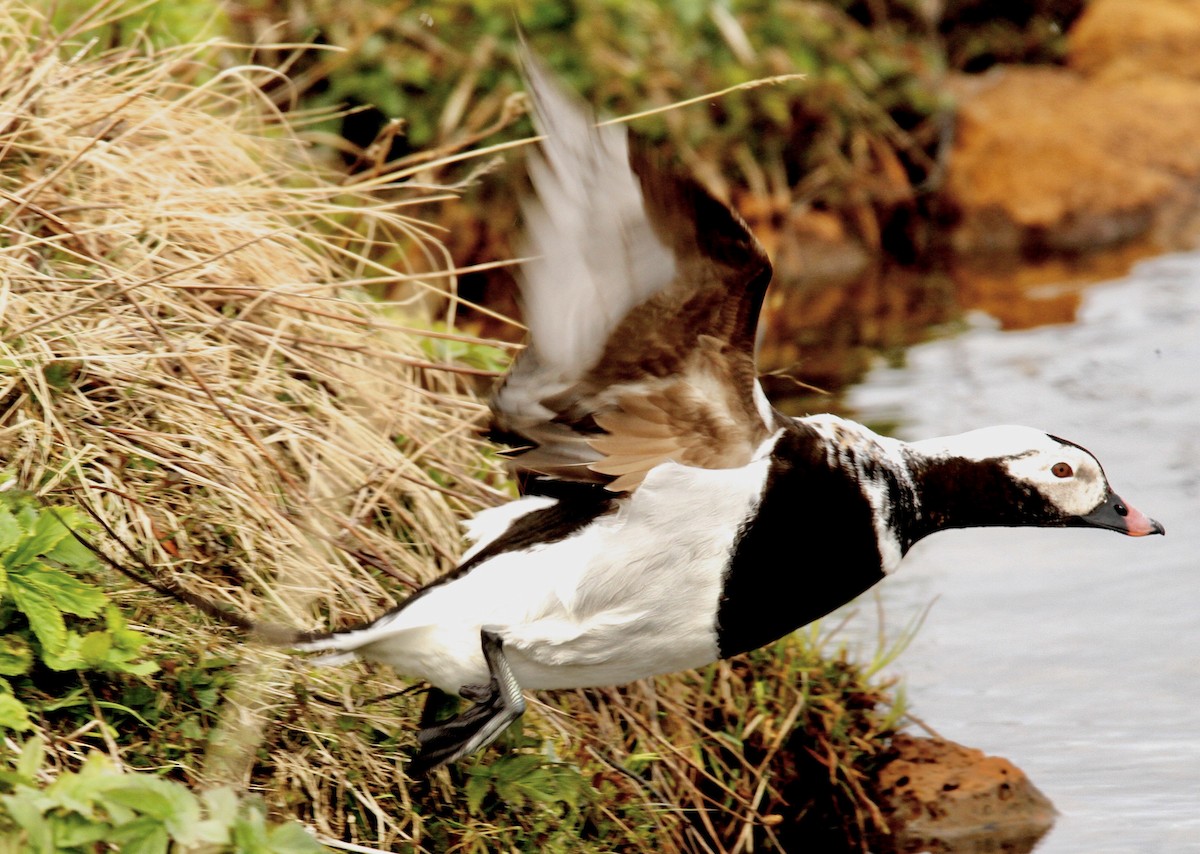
[(1013, 475)]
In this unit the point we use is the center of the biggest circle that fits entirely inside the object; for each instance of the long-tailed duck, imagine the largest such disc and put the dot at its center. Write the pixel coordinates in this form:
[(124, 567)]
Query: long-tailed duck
[(663, 493)]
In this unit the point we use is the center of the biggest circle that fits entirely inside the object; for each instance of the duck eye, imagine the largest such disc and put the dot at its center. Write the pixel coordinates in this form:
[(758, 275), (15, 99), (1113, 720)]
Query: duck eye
[(1062, 470)]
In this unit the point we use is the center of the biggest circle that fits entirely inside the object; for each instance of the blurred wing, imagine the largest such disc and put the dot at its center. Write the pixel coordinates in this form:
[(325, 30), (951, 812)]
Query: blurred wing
[(642, 299)]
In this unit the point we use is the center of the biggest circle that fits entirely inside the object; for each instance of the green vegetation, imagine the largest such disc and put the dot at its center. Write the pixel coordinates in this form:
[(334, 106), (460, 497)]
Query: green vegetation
[(858, 135), (42, 568), (99, 807)]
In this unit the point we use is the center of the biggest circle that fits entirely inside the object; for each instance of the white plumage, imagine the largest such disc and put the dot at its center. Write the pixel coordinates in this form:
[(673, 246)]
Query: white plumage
[(630, 595)]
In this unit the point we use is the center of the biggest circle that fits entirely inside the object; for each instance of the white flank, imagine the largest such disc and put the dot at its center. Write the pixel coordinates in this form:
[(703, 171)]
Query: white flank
[(633, 594)]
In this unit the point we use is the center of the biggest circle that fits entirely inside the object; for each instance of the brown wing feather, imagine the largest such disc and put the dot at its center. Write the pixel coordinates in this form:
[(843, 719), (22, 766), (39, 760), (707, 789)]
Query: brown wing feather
[(674, 378), (697, 417)]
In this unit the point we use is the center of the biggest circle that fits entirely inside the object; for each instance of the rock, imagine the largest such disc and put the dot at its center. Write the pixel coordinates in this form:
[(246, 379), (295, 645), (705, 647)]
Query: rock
[(940, 796), (1047, 160), (1096, 155), (1161, 36)]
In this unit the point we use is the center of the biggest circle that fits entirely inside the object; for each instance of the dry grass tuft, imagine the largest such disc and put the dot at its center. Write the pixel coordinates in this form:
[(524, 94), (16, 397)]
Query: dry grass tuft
[(186, 347), (186, 338)]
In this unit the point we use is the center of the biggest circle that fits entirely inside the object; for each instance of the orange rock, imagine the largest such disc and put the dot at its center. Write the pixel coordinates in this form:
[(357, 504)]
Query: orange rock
[(1091, 156), (1160, 36), (937, 794), (1047, 159)]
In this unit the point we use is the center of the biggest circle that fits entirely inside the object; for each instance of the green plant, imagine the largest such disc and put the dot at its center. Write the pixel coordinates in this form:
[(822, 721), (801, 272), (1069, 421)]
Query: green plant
[(136, 813), (49, 613), (522, 781), (116, 22), (857, 135)]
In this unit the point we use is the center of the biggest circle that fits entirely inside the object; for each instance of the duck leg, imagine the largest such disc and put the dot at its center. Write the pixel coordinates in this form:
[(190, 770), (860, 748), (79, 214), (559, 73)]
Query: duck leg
[(438, 706), (495, 706)]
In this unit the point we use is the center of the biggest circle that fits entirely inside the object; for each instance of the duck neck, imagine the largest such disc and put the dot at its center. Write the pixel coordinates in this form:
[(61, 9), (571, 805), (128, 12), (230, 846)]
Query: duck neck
[(963, 492), (874, 470)]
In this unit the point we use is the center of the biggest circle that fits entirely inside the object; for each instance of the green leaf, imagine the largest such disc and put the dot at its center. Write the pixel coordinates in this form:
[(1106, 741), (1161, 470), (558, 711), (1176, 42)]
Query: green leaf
[(219, 802), (67, 592), (184, 822), (210, 831), (292, 838), (95, 647), (70, 552), (80, 791), (26, 517), (190, 728), (73, 830), (515, 766), (48, 531), (33, 751), (67, 656), (13, 714), (41, 533), (10, 531), (154, 796), (23, 810), (114, 620), (250, 831), (139, 668), (119, 814), (144, 835), (44, 618), (478, 786), (16, 657)]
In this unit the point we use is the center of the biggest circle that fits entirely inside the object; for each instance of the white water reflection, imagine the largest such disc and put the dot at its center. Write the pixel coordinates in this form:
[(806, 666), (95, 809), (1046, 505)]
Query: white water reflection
[(1076, 654)]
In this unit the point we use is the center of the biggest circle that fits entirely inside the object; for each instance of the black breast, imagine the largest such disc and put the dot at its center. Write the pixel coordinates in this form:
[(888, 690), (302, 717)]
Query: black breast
[(810, 549)]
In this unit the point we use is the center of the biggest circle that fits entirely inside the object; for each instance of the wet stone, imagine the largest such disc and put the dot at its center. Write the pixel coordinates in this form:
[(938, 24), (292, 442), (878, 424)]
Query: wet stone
[(939, 796)]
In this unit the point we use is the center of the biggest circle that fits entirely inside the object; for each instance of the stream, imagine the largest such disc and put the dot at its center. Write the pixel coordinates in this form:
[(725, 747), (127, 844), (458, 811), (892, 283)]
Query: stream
[(1073, 653)]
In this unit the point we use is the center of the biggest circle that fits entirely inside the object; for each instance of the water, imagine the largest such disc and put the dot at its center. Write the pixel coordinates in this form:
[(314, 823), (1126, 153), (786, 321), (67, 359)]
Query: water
[(1073, 653)]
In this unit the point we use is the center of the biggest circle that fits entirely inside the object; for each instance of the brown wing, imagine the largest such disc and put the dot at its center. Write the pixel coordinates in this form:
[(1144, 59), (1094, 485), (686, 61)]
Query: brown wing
[(642, 302)]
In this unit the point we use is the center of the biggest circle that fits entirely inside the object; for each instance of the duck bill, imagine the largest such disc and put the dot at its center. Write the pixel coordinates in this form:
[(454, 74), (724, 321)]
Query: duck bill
[(1117, 515)]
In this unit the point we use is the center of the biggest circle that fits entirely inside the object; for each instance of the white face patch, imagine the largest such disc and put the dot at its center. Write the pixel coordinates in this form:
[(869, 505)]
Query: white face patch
[(1068, 477)]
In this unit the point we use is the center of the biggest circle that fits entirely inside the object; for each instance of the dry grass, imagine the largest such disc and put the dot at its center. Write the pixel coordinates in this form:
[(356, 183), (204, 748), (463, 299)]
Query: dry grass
[(186, 348)]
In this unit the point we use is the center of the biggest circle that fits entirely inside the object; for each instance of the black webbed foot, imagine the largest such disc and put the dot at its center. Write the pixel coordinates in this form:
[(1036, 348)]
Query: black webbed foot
[(478, 693), (494, 707)]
